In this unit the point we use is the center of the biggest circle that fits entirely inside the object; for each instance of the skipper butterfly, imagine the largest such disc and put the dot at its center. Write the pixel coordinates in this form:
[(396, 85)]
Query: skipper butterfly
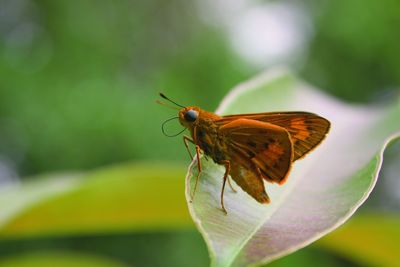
[(252, 147)]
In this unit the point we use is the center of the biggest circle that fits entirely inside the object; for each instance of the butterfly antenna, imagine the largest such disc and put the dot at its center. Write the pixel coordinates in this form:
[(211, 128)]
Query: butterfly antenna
[(166, 98), (163, 129), (162, 103)]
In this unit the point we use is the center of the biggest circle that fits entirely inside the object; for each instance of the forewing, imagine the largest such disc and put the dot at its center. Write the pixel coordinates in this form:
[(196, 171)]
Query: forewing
[(307, 130), (263, 145)]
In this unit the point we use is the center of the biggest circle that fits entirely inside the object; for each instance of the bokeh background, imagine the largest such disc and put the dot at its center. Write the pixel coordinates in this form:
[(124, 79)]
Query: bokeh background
[(79, 81)]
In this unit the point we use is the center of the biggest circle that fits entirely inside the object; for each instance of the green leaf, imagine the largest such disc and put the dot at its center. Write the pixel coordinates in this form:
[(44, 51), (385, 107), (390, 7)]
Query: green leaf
[(370, 239), (323, 190), (121, 198), (60, 259)]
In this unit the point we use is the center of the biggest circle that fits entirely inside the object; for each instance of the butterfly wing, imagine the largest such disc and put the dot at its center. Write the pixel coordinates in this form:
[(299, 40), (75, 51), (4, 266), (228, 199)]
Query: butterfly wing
[(250, 181), (307, 130), (261, 148)]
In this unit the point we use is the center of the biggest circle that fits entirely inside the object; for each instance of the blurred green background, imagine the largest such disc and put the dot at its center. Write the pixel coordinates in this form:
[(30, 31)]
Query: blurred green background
[(79, 80)]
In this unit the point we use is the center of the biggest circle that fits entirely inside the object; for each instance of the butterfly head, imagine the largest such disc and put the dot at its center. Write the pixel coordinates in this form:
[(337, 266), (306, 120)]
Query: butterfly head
[(189, 116)]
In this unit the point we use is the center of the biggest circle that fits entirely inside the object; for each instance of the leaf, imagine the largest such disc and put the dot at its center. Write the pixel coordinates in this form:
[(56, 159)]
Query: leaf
[(323, 190), (308, 256), (15, 199), (60, 259), (120, 198), (370, 239)]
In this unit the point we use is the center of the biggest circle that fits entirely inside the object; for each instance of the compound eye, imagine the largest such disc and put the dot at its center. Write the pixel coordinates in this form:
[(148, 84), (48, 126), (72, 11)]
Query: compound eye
[(191, 115)]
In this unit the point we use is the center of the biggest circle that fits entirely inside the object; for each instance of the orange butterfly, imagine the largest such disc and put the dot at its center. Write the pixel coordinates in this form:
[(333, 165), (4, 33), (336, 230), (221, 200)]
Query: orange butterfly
[(252, 147)]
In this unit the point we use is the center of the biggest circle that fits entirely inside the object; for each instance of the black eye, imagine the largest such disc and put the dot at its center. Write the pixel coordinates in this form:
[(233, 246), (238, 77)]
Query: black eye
[(191, 115)]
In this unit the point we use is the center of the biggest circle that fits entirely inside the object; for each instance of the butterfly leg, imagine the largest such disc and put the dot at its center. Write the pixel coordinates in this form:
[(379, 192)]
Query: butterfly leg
[(198, 173), (187, 139), (230, 185), (227, 164)]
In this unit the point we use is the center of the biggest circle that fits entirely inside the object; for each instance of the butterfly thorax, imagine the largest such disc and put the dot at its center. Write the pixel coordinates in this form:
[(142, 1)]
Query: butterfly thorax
[(206, 134), (204, 131)]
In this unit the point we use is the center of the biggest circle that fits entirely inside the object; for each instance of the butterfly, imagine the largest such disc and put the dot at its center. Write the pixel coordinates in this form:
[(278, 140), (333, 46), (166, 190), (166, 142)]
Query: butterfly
[(252, 147)]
